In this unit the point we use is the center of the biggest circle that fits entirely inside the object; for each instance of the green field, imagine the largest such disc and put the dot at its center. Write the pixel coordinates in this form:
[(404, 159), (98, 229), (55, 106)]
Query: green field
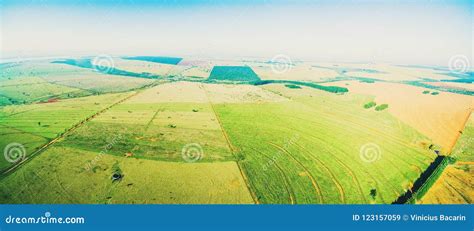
[(58, 176), (464, 148), (155, 131), (34, 125), (233, 73), (298, 151)]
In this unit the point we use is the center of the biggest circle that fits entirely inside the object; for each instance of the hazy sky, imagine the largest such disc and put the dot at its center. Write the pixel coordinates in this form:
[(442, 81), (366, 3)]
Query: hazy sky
[(408, 32)]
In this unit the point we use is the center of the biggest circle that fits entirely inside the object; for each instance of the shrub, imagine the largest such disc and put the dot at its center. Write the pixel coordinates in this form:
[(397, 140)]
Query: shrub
[(369, 105), (292, 86), (381, 107)]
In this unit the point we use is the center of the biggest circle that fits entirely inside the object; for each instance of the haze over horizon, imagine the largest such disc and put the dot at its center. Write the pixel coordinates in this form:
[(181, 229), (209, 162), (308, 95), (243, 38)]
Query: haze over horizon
[(404, 32)]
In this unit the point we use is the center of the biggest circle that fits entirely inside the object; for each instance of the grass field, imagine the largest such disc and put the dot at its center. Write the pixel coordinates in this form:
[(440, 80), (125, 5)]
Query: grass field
[(39, 81), (58, 176), (155, 131), (148, 131), (298, 151), (36, 124)]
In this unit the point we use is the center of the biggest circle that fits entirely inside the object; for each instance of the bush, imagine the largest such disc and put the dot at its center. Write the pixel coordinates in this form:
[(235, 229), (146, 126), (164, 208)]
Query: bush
[(292, 86), (369, 105), (381, 107)]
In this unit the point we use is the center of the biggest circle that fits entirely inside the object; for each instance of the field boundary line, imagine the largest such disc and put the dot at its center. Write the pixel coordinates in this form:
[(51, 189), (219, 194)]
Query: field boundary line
[(19, 130), (232, 149), (153, 118)]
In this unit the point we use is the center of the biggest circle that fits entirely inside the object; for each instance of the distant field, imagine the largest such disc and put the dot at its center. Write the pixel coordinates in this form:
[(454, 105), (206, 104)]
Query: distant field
[(298, 151), (233, 73), (42, 80), (156, 59), (302, 72)]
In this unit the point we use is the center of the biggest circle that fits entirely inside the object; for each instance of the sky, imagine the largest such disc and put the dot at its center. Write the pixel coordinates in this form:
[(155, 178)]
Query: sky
[(425, 32)]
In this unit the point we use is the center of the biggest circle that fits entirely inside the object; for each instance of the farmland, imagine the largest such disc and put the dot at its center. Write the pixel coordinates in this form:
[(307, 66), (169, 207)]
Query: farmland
[(152, 129), (35, 125), (63, 180), (284, 147), (38, 81), (233, 73), (456, 183)]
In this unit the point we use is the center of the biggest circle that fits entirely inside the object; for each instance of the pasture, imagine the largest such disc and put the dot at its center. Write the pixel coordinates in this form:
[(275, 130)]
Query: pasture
[(34, 125), (59, 176), (298, 151)]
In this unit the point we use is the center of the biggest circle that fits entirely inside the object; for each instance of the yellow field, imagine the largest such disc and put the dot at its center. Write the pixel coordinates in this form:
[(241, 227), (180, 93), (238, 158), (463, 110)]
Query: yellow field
[(453, 187), (391, 72), (144, 66), (172, 92), (58, 176), (439, 117), (222, 93), (301, 72), (183, 92)]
